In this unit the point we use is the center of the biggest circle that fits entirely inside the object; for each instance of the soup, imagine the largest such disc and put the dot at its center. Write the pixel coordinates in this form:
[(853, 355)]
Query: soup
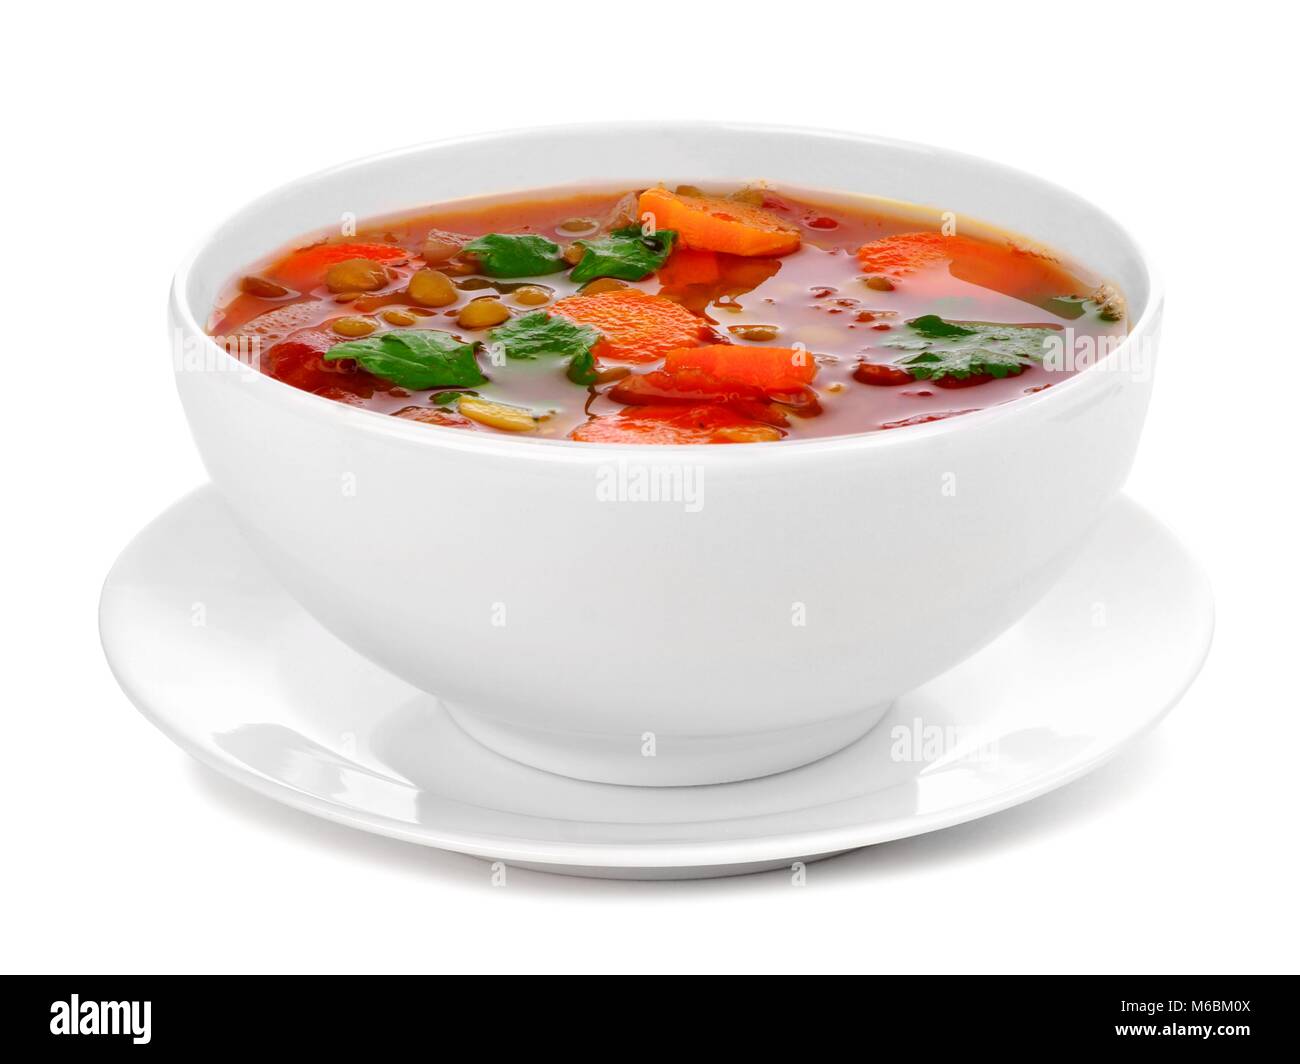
[(665, 316)]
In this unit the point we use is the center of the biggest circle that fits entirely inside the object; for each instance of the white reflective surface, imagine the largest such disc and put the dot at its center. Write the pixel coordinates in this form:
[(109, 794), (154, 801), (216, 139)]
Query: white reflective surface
[(231, 668)]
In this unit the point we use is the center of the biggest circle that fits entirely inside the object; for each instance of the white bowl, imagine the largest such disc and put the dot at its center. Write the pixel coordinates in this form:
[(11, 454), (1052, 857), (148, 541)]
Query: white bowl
[(574, 628)]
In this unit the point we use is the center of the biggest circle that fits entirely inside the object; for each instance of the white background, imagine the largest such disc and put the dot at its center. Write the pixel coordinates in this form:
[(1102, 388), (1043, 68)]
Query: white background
[(129, 135)]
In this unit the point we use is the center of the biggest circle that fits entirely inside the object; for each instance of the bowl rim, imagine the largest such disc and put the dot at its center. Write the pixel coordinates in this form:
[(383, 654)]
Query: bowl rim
[(268, 389)]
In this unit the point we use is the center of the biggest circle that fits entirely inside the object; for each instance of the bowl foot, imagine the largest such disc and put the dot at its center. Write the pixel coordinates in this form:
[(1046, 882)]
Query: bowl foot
[(651, 760)]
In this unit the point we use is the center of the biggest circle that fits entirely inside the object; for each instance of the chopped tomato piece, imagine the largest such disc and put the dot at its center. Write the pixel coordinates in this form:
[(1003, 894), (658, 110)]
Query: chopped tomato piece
[(635, 326), (305, 269), (298, 360), (967, 382), (693, 388), (769, 368), (760, 410), (675, 425), (708, 223), (881, 375)]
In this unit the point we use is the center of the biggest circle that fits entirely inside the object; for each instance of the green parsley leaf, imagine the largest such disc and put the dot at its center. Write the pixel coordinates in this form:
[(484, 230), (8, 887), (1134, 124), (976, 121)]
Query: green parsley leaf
[(413, 358), (582, 369), (443, 398), (539, 333), (948, 349), (625, 253), (516, 254)]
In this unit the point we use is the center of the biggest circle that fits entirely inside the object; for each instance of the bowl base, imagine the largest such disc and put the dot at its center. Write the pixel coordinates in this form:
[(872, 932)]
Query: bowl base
[(654, 760)]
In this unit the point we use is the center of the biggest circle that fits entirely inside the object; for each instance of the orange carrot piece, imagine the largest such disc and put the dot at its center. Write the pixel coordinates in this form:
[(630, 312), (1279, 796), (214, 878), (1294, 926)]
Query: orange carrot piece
[(897, 256), (635, 326), (675, 425), (1000, 267), (305, 269), (712, 224), (774, 369)]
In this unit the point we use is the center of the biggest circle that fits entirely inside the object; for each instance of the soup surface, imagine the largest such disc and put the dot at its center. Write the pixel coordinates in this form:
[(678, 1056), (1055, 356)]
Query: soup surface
[(669, 316)]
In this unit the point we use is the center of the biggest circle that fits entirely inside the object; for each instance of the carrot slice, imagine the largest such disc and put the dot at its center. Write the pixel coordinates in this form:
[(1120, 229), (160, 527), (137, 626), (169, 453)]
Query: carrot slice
[(635, 326), (712, 224), (305, 269), (1000, 267), (897, 256), (776, 369), (675, 425)]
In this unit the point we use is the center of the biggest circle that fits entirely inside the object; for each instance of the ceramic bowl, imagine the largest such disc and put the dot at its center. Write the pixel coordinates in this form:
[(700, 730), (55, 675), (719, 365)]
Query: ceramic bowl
[(768, 607)]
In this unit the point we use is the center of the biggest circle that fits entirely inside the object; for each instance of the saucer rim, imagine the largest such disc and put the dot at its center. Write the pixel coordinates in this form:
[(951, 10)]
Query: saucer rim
[(676, 856)]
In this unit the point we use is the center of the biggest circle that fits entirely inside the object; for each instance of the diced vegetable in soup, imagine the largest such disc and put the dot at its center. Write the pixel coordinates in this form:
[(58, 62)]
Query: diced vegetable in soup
[(683, 315)]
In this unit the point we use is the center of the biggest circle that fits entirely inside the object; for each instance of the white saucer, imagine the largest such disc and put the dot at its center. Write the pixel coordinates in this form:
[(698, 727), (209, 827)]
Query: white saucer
[(228, 666)]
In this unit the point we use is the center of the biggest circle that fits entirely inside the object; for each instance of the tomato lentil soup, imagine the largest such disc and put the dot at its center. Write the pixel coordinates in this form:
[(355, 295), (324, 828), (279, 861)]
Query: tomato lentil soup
[(669, 316)]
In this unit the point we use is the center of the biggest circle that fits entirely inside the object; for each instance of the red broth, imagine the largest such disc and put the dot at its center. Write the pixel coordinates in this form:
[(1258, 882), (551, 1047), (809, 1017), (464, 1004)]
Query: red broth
[(880, 317)]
